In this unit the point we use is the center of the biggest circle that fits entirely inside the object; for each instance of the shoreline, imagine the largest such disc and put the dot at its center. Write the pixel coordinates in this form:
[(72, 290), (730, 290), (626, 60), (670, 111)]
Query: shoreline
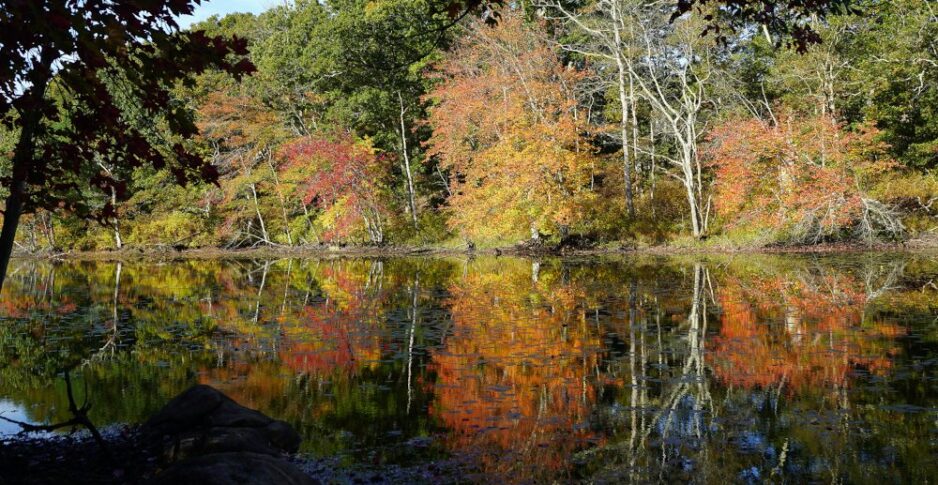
[(163, 254)]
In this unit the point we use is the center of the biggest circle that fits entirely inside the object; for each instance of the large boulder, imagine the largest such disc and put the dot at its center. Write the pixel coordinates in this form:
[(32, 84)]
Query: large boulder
[(233, 468), (202, 420), (205, 438)]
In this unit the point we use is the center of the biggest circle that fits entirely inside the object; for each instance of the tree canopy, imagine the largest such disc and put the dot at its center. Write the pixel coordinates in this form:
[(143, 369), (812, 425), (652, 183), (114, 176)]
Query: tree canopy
[(406, 122)]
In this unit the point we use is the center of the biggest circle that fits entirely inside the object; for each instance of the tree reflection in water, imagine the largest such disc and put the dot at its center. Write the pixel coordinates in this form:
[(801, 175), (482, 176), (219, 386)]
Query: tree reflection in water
[(719, 369)]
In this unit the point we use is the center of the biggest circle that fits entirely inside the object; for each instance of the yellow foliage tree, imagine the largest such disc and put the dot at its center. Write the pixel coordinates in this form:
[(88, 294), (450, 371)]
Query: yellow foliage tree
[(507, 129)]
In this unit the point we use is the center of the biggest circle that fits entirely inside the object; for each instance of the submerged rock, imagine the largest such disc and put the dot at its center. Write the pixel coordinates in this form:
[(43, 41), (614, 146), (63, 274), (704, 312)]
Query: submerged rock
[(203, 420)]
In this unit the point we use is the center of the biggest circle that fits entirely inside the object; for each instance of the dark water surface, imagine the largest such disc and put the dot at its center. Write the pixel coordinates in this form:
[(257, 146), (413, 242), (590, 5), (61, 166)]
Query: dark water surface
[(714, 369)]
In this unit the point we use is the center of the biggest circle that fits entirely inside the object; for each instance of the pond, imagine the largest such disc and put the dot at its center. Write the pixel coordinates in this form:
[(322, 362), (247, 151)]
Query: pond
[(628, 368)]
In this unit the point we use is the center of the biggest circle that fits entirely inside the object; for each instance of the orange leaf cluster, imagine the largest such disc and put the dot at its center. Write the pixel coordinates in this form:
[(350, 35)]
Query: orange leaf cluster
[(798, 172)]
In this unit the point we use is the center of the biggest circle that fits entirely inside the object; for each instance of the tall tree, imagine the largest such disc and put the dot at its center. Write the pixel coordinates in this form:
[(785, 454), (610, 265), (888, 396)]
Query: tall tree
[(243, 136), (673, 72), (506, 126), (604, 31)]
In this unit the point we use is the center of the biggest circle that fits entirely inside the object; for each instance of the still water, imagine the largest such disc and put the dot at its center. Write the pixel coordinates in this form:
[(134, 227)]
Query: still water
[(642, 369)]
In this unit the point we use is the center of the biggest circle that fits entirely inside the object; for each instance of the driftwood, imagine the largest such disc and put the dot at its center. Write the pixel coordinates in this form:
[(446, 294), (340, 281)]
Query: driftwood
[(79, 418)]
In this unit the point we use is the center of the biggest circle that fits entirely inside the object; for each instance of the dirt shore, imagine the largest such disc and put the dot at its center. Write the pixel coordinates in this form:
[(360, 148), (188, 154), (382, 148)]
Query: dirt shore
[(272, 252)]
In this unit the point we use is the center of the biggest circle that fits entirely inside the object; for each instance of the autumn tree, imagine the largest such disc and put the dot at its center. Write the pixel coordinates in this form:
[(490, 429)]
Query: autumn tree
[(507, 128), (804, 178), (243, 136), (70, 70), (343, 177)]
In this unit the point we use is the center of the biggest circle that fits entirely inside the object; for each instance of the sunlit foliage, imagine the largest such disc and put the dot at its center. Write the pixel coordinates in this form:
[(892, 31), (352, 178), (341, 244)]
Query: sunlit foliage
[(805, 177), (508, 128), (589, 124), (343, 178)]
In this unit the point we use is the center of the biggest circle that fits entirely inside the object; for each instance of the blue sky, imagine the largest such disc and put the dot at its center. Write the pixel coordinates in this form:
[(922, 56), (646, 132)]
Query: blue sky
[(222, 7)]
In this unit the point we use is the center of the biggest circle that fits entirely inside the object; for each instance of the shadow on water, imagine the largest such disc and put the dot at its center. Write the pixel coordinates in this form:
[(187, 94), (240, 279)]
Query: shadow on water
[(745, 368)]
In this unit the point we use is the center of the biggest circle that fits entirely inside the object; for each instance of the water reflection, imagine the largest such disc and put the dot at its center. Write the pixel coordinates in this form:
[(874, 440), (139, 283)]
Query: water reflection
[(716, 369)]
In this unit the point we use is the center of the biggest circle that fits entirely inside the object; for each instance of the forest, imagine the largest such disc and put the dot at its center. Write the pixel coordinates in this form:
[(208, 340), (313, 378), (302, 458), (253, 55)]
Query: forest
[(468, 241), (598, 123)]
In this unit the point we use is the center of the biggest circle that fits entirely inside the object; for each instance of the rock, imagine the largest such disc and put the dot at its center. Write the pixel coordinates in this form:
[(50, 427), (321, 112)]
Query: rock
[(202, 420), (206, 439), (185, 410), (233, 468)]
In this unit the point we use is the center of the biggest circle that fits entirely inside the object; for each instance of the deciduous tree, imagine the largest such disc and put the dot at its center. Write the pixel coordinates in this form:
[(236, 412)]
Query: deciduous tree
[(345, 179), (506, 127), (805, 177), (68, 72)]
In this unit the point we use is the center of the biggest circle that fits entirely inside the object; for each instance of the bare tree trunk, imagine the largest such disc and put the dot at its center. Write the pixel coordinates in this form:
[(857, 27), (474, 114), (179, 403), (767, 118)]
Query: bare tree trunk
[(694, 216), (449, 192), (378, 226), (632, 103), (283, 206), (617, 19), (624, 126), (412, 201), (653, 159), (118, 242), (260, 218), (680, 111), (690, 185), (370, 228), (48, 229)]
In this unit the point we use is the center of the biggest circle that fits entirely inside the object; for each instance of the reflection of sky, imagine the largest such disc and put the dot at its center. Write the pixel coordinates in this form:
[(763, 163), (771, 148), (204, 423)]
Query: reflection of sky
[(224, 7), (13, 411)]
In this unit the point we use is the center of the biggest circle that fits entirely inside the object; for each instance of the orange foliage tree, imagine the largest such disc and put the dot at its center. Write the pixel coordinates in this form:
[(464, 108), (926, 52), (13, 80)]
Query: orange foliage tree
[(804, 177), (506, 126), (243, 135)]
